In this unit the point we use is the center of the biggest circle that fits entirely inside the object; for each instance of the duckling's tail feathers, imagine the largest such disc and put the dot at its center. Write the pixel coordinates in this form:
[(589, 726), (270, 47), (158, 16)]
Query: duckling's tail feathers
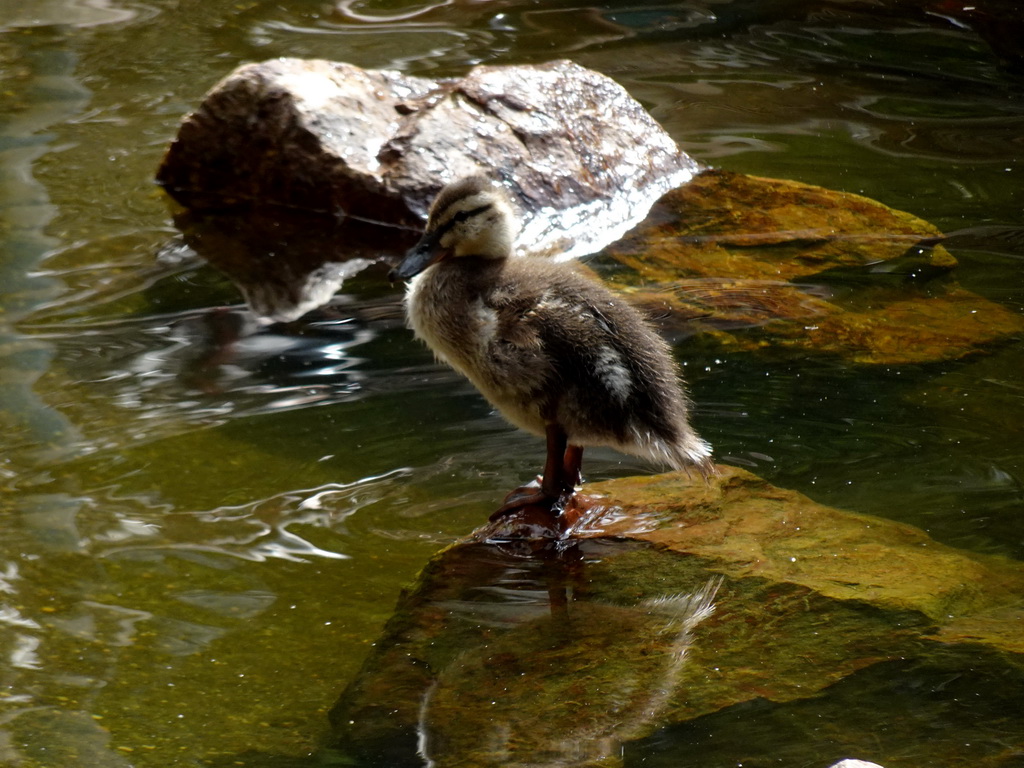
[(685, 452)]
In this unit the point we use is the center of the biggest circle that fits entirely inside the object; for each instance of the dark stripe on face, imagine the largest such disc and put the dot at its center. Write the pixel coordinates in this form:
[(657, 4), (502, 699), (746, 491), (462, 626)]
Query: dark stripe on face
[(460, 217)]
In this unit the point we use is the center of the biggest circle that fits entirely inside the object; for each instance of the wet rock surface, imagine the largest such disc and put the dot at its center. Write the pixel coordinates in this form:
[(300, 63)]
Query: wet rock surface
[(750, 528), (583, 158), (771, 265), (753, 264), (506, 654)]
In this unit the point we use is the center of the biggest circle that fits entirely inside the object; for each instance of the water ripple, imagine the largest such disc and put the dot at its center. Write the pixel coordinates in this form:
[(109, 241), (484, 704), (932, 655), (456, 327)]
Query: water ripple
[(282, 526), (139, 379)]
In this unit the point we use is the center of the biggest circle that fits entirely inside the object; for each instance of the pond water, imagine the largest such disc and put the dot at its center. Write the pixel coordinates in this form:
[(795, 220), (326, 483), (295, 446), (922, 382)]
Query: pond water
[(198, 551)]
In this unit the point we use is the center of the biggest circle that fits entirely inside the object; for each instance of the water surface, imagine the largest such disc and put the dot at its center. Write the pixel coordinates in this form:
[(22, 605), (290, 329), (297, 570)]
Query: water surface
[(200, 547)]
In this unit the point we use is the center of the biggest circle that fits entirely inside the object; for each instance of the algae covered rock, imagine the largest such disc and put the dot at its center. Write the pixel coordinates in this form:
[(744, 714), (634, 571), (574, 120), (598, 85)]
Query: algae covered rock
[(771, 264), (505, 654)]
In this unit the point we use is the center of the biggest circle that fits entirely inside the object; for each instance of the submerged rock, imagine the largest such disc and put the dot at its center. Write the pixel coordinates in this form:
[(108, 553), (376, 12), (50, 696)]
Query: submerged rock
[(584, 160), (761, 264), (499, 656)]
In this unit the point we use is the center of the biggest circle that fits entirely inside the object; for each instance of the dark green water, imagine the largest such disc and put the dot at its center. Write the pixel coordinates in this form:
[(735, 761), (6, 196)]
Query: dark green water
[(196, 554)]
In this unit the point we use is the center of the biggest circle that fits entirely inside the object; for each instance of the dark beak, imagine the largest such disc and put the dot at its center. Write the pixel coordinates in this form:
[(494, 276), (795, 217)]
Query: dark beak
[(426, 252)]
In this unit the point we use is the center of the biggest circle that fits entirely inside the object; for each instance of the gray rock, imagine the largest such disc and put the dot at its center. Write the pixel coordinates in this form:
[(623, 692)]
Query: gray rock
[(584, 159)]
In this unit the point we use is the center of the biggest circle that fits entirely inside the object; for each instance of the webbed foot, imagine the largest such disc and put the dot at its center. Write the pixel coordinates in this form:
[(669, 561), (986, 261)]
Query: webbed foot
[(529, 495)]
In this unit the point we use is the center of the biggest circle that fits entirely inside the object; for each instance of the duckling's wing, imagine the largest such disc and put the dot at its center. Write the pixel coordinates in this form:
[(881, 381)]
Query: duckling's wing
[(613, 379), (517, 353), (616, 373), (564, 349), (560, 336)]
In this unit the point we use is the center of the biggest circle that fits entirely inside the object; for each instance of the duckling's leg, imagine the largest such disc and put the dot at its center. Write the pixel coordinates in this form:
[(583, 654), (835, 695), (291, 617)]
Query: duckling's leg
[(553, 481), (571, 472), (561, 472)]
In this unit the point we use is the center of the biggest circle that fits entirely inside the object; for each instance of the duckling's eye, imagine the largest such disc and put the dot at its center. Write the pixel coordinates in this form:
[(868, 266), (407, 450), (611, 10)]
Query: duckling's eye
[(467, 215), (460, 217)]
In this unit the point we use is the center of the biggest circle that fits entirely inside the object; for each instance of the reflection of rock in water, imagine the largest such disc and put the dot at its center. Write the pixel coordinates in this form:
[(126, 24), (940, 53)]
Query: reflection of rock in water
[(226, 351), (240, 367), (563, 690), (287, 263)]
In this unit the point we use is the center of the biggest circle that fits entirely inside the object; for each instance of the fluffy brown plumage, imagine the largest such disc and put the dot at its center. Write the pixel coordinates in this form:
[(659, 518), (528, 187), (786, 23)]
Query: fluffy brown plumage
[(551, 348)]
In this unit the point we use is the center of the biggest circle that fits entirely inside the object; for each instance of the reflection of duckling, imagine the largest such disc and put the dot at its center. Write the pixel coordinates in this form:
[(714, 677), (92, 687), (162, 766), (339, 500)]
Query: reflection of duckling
[(563, 690), (552, 349)]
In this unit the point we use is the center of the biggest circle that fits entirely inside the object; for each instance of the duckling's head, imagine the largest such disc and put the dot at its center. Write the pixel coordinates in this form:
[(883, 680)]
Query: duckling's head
[(469, 217)]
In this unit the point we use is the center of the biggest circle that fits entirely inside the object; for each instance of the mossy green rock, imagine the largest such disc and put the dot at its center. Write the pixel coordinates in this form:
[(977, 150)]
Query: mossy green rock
[(514, 653), (759, 263), (746, 527)]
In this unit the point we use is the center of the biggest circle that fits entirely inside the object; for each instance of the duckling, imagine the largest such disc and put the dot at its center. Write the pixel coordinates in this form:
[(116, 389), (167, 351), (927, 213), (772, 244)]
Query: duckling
[(552, 349)]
